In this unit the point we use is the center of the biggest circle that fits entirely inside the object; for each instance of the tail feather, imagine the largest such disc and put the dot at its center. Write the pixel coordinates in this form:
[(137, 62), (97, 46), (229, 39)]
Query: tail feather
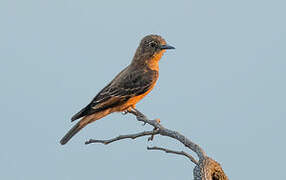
[(75, 129), (78, 115), (82, 123)]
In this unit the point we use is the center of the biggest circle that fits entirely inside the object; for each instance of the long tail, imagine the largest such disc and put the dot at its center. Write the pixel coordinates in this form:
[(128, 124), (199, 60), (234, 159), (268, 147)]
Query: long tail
[(75, 129), (82, 123)]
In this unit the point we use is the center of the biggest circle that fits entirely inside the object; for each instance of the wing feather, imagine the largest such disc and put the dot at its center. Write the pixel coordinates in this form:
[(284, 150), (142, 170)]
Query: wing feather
[(119, 91)]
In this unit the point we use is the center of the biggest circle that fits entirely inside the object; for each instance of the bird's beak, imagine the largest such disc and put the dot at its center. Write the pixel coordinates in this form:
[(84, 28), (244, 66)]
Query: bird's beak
[(166, 46)]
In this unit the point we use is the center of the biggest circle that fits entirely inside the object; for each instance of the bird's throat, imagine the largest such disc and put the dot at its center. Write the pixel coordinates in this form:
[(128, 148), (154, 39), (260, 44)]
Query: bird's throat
[(153, 63)]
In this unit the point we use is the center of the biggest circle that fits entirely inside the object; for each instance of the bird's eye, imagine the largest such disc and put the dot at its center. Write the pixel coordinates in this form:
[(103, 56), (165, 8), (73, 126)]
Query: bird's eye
[(152, 44)]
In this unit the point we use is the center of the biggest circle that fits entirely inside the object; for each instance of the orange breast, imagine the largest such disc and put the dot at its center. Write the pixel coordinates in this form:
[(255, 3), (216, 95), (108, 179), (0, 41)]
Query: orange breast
[(134, 100), (153, 63)]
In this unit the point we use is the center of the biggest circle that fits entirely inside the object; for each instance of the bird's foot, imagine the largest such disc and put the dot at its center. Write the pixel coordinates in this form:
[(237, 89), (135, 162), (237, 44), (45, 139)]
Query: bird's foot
[(124, 112), (128, 110)]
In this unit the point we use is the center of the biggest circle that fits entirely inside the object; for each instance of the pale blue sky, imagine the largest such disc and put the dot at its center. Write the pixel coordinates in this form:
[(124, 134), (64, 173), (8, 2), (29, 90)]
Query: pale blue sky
[(223, 87)]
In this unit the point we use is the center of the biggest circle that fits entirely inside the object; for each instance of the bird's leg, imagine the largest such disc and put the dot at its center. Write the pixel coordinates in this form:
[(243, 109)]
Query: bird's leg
[(128, 110), (124, 112)]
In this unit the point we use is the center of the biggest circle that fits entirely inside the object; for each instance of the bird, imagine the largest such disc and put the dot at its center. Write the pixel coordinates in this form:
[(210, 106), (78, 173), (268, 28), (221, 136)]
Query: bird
[(127, 88)]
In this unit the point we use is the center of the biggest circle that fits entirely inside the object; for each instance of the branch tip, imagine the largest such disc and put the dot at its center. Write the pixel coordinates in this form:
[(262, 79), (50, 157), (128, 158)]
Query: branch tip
[(190, 157)]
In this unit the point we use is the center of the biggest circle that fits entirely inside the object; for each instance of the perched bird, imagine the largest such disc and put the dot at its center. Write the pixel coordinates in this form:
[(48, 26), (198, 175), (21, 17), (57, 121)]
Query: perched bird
[(127, 88)]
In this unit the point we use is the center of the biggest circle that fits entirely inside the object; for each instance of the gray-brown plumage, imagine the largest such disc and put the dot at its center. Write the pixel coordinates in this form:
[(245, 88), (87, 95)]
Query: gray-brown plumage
[(127, 88)]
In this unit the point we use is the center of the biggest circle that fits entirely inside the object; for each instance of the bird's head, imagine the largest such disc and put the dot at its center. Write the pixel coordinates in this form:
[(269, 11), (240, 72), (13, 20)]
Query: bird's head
[(151, 49), (153, 44)]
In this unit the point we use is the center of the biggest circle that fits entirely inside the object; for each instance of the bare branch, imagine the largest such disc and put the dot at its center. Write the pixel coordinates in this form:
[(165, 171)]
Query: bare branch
[(175, 152), (128, 136), (167, 132), (205, 169)]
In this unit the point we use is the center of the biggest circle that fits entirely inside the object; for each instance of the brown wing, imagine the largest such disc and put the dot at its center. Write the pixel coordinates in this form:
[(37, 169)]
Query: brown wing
[(119, 91)]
